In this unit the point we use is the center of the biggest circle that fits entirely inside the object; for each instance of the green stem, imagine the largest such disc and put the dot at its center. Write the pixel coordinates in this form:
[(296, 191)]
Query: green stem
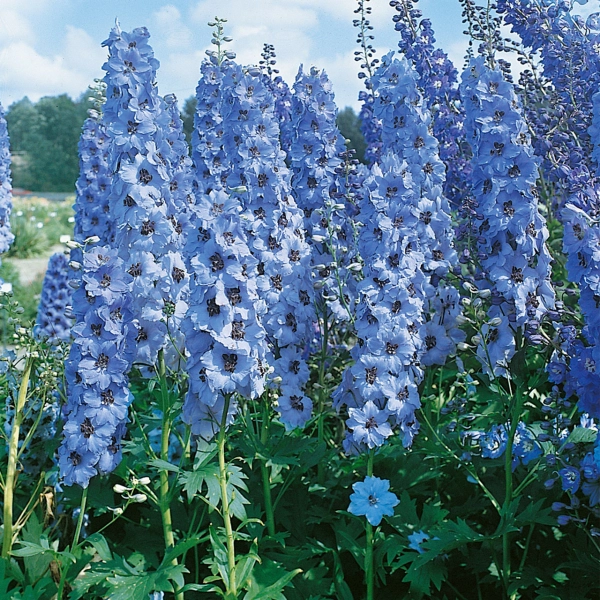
[(369, 570), (223, 475), (514, 421), (321, 404), (264, 436), (11, 469), (80, 517), (165, 509), (164, 504)]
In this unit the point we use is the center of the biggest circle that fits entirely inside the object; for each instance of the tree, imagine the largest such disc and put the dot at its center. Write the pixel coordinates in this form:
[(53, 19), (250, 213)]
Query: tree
[(348, 123), (44, 140)]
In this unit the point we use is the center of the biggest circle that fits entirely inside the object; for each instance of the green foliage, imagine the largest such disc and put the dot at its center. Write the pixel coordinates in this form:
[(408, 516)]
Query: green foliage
[(44, 139), (348, 123)]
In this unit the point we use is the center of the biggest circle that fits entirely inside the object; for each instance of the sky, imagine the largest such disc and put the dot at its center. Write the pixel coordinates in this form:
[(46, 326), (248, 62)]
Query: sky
[(50, 47)]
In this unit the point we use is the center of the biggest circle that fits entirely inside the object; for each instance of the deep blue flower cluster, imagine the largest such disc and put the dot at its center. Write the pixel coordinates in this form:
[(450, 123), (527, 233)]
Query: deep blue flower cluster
[(6, 237), (52, 323), (407, 236), (151, 188), (567, 138), (318, 182), (96, 370), (438, 82), (512, 252)]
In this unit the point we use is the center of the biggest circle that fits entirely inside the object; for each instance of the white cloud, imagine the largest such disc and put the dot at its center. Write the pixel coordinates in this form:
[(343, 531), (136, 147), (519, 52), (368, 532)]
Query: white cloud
[(14, 26), (170, 28)]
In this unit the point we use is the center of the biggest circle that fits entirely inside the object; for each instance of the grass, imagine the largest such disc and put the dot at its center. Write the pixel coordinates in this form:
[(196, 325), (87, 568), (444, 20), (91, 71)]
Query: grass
[(38, 224)]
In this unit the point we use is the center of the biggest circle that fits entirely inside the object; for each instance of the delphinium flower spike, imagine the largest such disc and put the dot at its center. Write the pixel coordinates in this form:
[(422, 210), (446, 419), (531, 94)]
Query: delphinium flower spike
[(438, 82), (93, 184), (6, 237), (96, 371), (275, 229), (225, 338), (319, 185), (566, 136), (148, 197), (407, 236), (52, 323), (514, 259), (370, 125)]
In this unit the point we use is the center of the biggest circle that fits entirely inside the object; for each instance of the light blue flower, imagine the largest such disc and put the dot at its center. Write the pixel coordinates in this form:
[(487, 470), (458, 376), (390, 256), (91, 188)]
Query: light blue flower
[(372, 499)]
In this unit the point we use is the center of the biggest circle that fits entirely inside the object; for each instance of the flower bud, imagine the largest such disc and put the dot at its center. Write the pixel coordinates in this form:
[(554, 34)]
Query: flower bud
[(139, 498), (495, 322), (119, 489)]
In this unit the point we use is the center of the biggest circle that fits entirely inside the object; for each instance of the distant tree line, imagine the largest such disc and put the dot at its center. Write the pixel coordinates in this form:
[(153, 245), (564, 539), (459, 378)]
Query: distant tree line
[(43, 140), (44, 137)]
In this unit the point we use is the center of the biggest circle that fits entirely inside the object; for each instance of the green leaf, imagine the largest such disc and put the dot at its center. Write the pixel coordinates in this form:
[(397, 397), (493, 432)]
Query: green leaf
[(163, 465), (581, 435), (182, 547), (30, 549), (98, 541), (273, 591), (194, 481)]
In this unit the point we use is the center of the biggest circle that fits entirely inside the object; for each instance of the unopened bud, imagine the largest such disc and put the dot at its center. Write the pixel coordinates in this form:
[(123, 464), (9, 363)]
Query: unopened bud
[(239, 189), (119, 489), (139, 498), (318, 238), (75, 265), (73, 244), (469, 287), (484, 293), (476, 339), (93, 239), (144, 481), (495, 322), (462, 346), (355, 267)]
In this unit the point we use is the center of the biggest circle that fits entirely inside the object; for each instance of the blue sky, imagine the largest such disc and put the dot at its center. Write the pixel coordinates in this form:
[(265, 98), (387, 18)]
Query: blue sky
[(53, 46)]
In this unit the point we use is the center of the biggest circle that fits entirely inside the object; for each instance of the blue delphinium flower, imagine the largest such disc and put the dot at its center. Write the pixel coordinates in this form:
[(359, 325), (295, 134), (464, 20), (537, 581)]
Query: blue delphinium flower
[(438, 80), (567, 141), (408, 239), (274, 225), (93, 184), (319, 182), (372, 499), (150, 191), (514, 259), (492, 443), (6, 237), (52, 323), (96, 371)]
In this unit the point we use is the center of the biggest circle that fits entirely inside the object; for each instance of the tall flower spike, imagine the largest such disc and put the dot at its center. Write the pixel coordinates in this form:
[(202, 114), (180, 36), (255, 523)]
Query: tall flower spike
[(370, 125), (96, 371), (93, 185), (225, 337), (52, 323), (407, 238), (438, 81), (319, 182), (149, 161), (275, 229), (6, 237), (514, 259), (406, 132)]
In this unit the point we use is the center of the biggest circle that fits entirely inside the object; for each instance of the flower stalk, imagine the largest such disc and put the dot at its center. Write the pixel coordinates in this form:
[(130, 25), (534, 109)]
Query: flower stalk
[(223, 476), (11, 469)]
